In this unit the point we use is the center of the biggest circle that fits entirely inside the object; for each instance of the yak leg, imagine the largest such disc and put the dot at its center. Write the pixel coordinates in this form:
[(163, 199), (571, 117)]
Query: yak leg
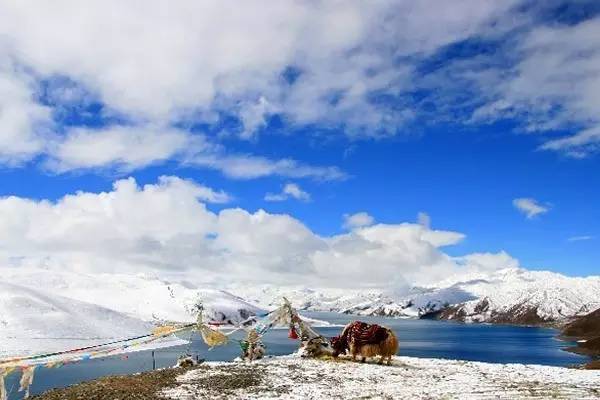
[(363, 359), (389, 360), (380, 362), (354, 350)]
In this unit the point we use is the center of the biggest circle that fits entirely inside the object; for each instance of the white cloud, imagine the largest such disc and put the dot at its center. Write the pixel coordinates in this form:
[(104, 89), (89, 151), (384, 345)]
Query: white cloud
[(479, 266), (23, 122), (490, 261), (289, 190), (253, 117), (357, 220), (245, 166), (174, 234), (110, 230), (275, 197), (579, 145), (530, 207), (125, 147), (580, 238)]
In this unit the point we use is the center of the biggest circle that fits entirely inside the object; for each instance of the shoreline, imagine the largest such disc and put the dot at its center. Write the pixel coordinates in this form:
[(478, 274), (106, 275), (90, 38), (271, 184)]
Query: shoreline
[(592, 353)]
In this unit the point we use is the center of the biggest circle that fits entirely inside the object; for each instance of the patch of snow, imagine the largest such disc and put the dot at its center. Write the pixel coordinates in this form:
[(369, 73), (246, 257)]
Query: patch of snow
[(290, 377)]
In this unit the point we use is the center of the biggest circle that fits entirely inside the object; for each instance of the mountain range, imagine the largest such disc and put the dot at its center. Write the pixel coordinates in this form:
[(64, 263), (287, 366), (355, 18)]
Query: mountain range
[(512, 296), (42, 304)]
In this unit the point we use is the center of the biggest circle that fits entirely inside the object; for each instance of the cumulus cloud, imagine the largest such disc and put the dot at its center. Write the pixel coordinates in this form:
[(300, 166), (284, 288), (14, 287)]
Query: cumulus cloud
[(290, 190), (530, 207), (490, 261), (357, 220), (176, 234), (479, 266)]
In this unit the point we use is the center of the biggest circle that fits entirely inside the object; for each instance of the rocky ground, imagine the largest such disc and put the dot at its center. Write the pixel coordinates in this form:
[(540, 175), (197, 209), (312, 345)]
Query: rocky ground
[(291, 377), (143, 386)]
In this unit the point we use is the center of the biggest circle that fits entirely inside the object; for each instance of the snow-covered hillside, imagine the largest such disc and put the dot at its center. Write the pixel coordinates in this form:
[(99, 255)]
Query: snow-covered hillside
[(141, 296), (75, 309), (32, 320)]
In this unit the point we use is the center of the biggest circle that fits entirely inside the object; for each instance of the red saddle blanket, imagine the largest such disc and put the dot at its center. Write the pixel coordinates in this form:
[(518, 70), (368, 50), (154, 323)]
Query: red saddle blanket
[(361, 333)]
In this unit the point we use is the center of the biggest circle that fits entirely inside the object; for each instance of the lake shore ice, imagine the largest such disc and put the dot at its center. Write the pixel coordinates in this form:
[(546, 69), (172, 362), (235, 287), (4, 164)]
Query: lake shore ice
[(292, 377)]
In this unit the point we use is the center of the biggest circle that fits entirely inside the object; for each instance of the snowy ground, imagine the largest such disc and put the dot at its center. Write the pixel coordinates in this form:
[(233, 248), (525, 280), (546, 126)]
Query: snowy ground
[(291, 377)]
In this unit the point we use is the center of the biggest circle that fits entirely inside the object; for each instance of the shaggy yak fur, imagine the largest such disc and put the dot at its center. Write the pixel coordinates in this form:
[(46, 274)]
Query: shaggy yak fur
[(366, 340)]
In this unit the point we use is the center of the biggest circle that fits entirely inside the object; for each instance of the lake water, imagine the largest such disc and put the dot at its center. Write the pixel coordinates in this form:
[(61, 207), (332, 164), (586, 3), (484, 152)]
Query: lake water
[(418, 338)]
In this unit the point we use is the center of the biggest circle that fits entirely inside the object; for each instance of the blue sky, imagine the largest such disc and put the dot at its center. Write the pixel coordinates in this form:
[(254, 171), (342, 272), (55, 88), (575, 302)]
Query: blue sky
[(456, 111)]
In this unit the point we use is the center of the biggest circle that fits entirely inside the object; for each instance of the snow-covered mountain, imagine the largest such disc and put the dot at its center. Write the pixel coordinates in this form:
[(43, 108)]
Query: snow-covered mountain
[(527, 297), (506, 296), (32, 320)]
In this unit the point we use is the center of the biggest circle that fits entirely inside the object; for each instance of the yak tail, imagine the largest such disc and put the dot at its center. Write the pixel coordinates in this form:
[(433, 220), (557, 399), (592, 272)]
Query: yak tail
[(390, 344)]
